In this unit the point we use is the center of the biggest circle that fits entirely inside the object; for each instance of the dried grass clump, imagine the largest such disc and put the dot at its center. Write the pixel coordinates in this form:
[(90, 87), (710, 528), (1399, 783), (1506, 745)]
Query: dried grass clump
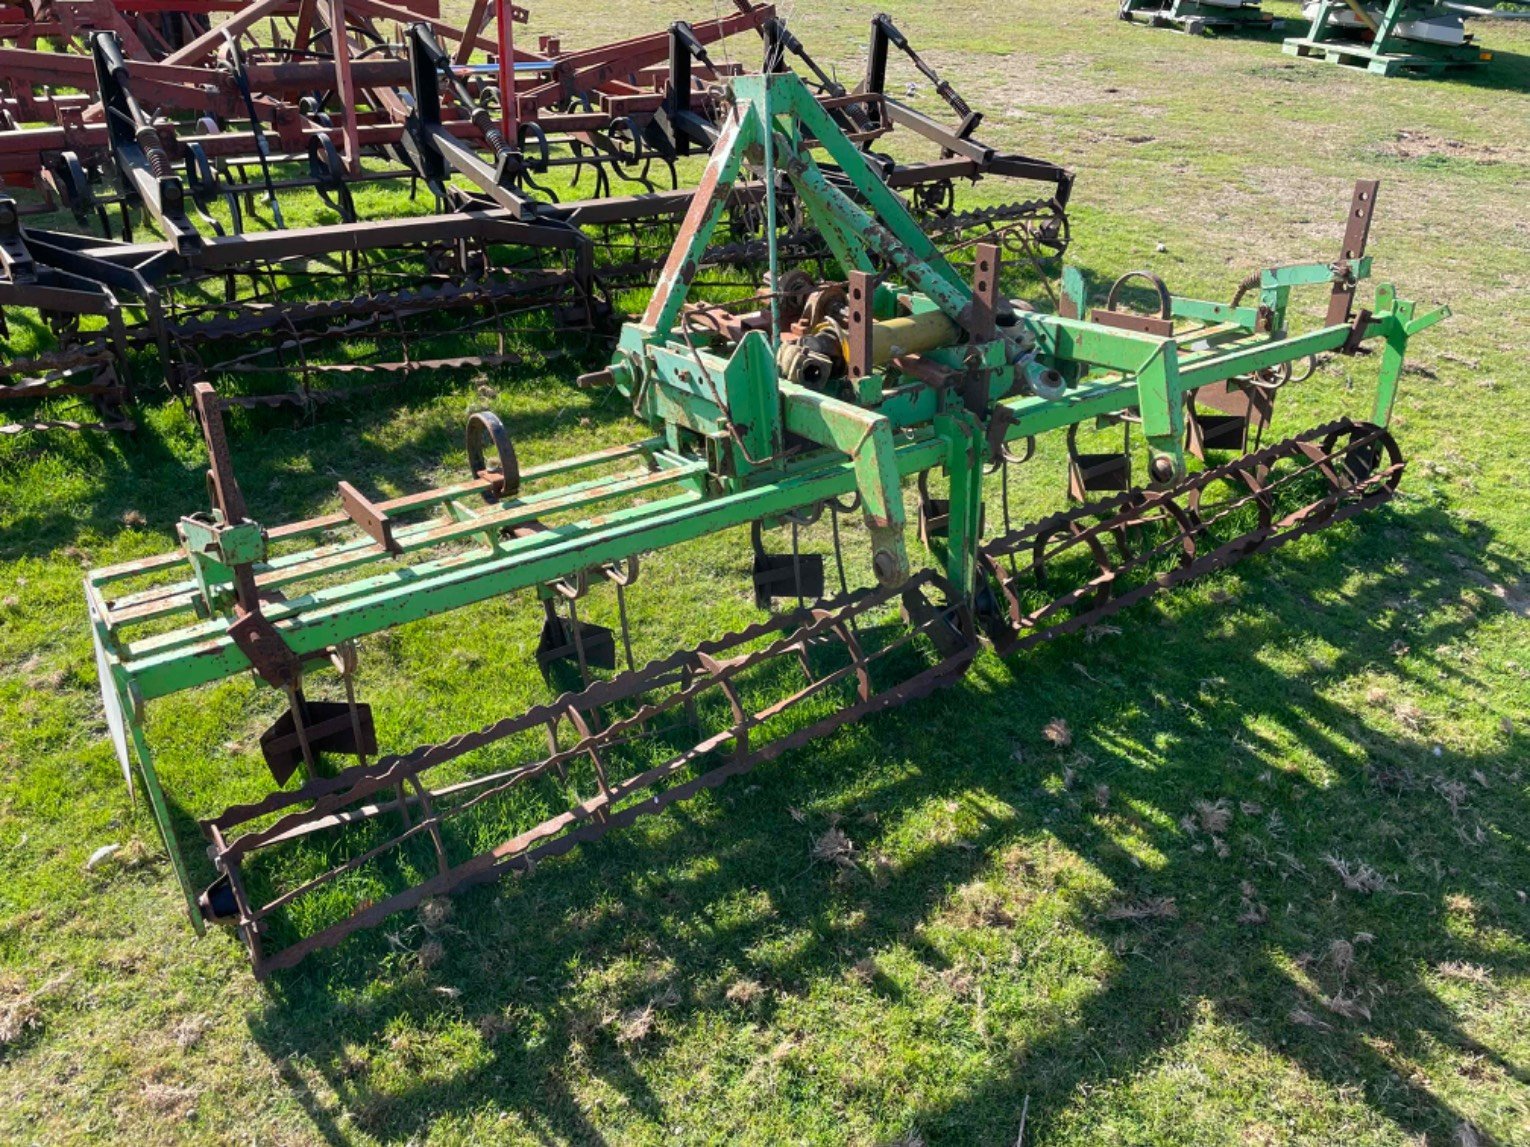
[(742, 993), (834, 847), (1057, 734), (18, 1015), (1306, 1019), (431, 953), (1357, 876), (168, 1101), (21, 1008), (1148, 908), (636, 1025), (1216, 816), (864, 970), (434, 913), (1341, 954), (1461, 970), (1347, 1006), (979, 906), (1250, 910)]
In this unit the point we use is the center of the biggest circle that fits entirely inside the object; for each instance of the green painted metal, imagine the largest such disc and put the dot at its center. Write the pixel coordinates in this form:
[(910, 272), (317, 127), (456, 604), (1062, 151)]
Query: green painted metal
[(1377, 41), (733, 442), (1198, 16)]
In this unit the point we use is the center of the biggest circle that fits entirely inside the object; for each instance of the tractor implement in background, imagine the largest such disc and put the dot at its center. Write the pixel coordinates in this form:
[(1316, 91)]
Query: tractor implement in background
[(1400, 37), (828, 395), (192, 162), (1198, 17)]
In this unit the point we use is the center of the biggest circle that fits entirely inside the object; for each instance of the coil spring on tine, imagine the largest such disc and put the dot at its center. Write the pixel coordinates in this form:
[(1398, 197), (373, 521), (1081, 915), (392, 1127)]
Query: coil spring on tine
[(495, 138), (159, 160)]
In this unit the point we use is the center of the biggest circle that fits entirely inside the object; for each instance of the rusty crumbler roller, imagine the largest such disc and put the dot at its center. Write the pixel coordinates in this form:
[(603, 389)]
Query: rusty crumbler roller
[(813, 397)]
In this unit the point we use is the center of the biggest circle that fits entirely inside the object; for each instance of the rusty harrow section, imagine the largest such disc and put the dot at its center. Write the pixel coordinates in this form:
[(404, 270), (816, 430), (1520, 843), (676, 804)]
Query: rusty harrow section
[(1118, 551), (303, 869)]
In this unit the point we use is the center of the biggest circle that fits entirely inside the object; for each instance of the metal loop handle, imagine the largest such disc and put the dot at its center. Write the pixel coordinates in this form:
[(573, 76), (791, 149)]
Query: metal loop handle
[(1165, 303), (485, 424)]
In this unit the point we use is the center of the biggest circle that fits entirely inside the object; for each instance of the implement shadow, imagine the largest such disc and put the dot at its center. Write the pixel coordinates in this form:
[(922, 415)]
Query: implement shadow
[(1275, 974), (653, 913), (287, 459)]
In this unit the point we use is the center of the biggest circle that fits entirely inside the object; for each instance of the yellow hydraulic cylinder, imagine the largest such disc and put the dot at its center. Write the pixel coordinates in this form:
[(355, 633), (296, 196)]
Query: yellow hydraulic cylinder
[(911, 334)]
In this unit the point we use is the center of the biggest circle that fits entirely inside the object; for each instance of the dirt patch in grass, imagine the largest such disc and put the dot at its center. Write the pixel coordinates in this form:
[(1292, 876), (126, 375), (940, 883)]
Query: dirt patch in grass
[(1411, 144), (1008, 89)]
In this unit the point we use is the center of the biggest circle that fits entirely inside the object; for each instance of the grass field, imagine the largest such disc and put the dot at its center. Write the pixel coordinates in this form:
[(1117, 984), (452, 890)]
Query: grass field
[(1145, 935)]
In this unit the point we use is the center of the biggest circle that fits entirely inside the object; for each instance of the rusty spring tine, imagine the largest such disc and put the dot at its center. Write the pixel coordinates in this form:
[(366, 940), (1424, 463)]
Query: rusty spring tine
[(431, 821), (306, 384), (836, 508), (839, 550), (294, 706), (344, 659), (797, 565), (1014, 568), (799, 518), (621, 575), (499, 326), (573, 620), (403, 336)]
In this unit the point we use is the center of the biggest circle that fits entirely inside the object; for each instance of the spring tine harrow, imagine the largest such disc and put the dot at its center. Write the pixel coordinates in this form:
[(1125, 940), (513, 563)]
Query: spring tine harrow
[(897, 370)]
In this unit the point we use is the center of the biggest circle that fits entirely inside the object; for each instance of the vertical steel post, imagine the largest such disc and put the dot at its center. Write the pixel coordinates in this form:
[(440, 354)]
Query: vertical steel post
[(504, 15), (769, 144), (344, 86), (965, 448), (1393, 354)]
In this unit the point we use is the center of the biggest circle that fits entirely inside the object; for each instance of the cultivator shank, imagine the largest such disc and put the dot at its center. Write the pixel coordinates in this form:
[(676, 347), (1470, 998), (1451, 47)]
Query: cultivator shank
[(819, 395)]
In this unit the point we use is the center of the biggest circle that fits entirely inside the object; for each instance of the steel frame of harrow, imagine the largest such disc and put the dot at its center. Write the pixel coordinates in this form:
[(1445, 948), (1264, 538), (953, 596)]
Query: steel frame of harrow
[(717, 462)]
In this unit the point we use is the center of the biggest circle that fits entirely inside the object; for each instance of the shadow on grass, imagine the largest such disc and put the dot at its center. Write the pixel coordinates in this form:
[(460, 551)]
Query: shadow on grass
[(1505, 72), (288, 459), (662, 893)]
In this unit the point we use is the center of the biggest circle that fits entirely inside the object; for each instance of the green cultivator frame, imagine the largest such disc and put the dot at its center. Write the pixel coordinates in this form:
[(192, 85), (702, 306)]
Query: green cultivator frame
[(805, 398)]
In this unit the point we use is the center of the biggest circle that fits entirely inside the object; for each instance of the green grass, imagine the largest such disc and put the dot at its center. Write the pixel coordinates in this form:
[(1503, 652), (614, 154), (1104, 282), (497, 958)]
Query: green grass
[(1073, 932)]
